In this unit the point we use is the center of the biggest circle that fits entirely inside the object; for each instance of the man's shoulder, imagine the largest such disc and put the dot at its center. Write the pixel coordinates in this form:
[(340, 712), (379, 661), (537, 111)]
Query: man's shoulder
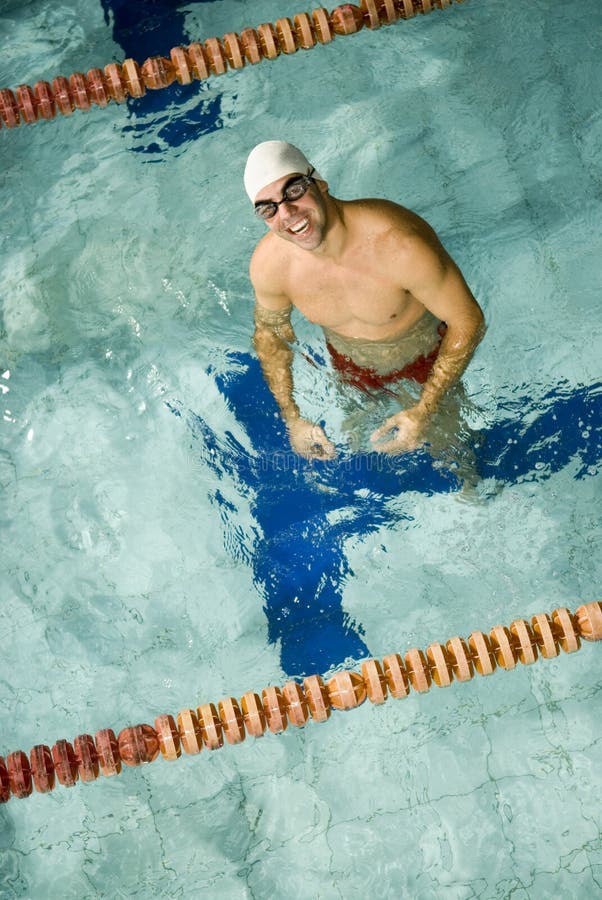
[(267, 255), (267, 266), (379, 213), (394, 227)]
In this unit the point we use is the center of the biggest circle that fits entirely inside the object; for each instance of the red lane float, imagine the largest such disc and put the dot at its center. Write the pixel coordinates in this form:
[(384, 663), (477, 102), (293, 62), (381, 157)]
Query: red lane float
[(199, 61), (65, 763), (295, 703)]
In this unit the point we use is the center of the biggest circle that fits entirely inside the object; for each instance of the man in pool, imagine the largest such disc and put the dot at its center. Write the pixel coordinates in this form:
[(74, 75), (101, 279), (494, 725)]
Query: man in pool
[(392, 303)]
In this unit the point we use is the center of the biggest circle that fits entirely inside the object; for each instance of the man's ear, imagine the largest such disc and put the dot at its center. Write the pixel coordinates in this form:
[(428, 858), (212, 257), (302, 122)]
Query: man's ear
[(322, 186)]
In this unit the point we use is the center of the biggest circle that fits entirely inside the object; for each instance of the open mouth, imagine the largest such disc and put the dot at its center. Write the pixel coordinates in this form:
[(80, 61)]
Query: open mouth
[(299, 227)]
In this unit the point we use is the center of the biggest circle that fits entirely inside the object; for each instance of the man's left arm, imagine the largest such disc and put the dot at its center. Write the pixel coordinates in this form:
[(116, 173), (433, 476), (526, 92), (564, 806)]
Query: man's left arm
[(434, 279)]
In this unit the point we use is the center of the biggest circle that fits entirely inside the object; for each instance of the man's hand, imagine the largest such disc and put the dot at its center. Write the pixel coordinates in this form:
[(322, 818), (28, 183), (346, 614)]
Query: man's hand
[(309, 440), (405, 431)]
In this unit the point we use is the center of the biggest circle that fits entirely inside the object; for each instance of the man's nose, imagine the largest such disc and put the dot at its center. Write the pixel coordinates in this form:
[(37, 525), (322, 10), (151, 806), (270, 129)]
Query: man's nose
[(285, 208)]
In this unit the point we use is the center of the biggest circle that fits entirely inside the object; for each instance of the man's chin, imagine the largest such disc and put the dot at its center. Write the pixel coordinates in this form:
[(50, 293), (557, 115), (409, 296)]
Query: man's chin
[(309, 241)]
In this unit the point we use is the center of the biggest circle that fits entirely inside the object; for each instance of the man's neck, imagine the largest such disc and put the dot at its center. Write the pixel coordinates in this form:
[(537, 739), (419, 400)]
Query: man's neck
[(336, 236)]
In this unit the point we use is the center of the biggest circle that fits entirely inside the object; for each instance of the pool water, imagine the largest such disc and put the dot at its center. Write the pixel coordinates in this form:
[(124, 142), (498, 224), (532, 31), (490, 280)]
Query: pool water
[(161, 550)]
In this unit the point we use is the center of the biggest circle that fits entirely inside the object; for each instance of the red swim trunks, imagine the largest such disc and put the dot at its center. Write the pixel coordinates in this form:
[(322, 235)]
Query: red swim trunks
[(369, 379)]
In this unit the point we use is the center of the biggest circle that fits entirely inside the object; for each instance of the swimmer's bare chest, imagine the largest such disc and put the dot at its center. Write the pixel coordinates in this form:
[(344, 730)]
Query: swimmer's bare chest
[(355, 304)]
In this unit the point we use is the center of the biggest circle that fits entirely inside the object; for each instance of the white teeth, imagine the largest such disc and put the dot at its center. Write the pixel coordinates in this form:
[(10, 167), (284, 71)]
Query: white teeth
[(301, 226)]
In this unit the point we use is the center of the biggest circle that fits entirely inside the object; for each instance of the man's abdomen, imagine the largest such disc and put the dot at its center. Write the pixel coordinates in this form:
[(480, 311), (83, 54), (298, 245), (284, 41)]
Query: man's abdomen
[(390, 354)]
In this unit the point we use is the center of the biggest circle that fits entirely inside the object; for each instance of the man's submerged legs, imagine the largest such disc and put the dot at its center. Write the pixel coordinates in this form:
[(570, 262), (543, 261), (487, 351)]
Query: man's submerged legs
[(449, 439)]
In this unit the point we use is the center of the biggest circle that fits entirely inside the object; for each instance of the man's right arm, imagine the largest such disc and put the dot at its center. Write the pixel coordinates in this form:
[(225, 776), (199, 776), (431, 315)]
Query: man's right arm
[(272, 338)]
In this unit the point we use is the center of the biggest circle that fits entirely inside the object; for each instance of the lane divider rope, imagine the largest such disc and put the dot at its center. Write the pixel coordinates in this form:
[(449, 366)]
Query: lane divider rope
[(294, 703), (199, 61)]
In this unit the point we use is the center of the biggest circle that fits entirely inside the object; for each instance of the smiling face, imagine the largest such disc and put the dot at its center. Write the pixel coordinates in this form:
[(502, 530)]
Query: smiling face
[(302, 222)]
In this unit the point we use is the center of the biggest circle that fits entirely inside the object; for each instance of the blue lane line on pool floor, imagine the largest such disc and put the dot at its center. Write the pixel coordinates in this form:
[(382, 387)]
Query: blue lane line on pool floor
[(146, 28), (298, 558)]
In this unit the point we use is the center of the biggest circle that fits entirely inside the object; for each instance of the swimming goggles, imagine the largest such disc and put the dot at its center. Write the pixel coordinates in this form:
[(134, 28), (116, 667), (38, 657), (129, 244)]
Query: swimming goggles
[(293, 190)]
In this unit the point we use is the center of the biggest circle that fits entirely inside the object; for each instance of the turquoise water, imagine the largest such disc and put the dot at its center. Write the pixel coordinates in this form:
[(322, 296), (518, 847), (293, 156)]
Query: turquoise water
[(131, 534)]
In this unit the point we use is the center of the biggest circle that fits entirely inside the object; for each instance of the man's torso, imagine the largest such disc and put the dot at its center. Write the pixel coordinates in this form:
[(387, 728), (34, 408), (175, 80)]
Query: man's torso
[(365, 312)]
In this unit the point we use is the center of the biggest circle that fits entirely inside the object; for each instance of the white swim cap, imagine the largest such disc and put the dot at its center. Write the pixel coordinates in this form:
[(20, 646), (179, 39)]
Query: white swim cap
[(272, 160)]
